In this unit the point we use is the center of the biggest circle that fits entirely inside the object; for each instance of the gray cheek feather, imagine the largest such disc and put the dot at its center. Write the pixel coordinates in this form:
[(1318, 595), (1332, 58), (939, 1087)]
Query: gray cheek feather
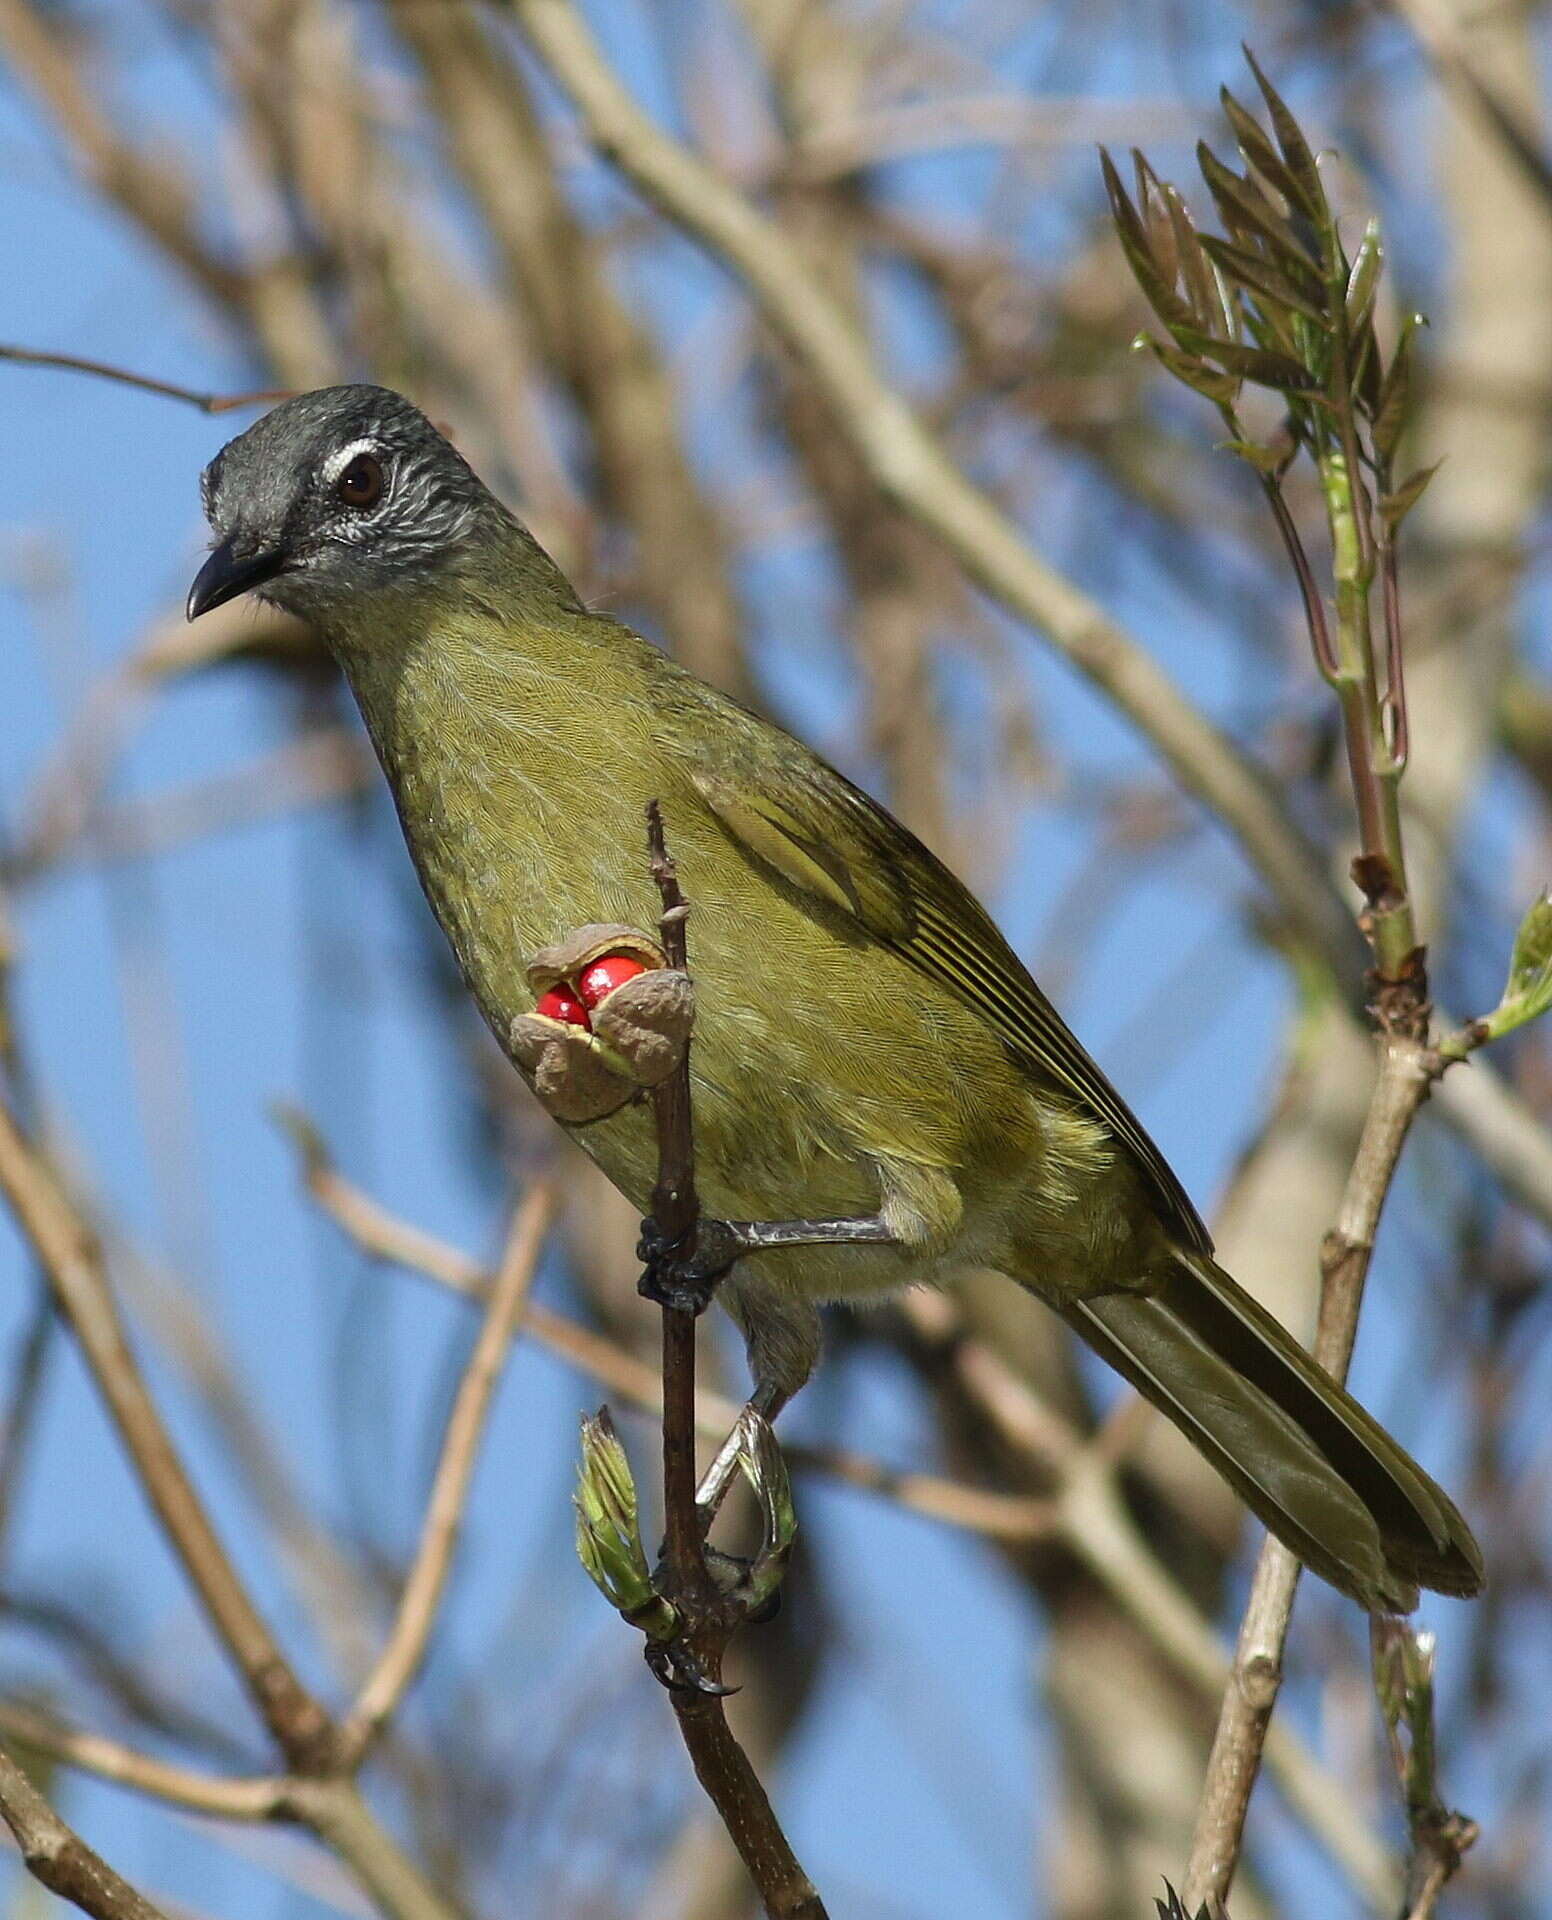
[(423, 521), (424, 528)]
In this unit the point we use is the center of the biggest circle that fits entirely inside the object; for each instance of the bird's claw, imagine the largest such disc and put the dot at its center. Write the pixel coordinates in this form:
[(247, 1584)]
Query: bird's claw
[(683, 1273), (675, 1667)]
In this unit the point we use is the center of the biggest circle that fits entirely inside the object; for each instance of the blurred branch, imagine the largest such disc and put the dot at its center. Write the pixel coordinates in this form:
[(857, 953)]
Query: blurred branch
[(71, 1255), (422, 1594), (60, 1859), (315, 767), (258, 1798), (871, 136), (1086, 1509), (45, 55), (1406, 1073), (912, 470), (1441, 30), (558, 274), (386, 1236), (317, 1793), (66, 795), (331, 1807), (24, 1395)]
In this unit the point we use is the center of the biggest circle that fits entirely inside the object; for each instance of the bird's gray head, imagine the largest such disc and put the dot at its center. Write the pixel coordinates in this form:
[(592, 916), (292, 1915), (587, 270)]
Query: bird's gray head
[(332, 495)]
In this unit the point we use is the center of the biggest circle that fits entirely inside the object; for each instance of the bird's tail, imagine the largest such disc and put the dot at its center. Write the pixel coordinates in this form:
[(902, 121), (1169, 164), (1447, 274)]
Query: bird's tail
[(1323, 1475)]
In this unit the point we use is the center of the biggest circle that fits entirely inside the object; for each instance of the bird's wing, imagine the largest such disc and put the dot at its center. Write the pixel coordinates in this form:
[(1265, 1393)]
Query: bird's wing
[(828, 839)]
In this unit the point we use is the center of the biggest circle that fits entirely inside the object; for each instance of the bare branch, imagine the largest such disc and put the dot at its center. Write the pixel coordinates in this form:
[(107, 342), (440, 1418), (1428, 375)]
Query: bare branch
[(422, 1595), (911, 468), (169, 390), (72, 1258), (259, 1798), (60, 1859), (1406, 1073), (710, 1615)]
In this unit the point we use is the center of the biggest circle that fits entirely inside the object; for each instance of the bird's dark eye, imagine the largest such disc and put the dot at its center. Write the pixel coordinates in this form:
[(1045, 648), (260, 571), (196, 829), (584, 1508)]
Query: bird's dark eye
[(361, 484)]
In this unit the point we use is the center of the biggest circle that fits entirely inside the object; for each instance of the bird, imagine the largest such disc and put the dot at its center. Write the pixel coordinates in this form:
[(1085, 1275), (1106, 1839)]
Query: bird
[(872, 1063)]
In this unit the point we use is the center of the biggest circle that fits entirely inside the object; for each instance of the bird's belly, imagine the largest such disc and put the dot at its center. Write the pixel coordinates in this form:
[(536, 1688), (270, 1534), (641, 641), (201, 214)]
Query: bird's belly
[(828, 1079)]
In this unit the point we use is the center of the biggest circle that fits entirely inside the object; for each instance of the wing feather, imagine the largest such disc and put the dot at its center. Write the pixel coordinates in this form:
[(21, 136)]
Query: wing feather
[(829, 840)]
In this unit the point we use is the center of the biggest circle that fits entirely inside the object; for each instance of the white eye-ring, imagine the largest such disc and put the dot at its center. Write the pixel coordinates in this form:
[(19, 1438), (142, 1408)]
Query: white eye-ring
[(355, 475)]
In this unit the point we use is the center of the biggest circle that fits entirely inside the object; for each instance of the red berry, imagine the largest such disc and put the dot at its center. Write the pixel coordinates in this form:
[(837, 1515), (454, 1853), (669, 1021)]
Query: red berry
[(560, 1003), (600, 977)]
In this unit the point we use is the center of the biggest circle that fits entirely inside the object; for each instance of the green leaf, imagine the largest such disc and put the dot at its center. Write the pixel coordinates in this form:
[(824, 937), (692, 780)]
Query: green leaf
[(1269, 461), (1394, 507), (1295, 151), (1148, 196), (1265, 368), (1221, 388), (1527, 993), (1156, 279), (1530, 963), (1262, 155), (1263, 279), (1364, 279), (609, 1531), (1385, 1645), (1248, 214), (1209, 303), (1367, 371), (1395, 396)]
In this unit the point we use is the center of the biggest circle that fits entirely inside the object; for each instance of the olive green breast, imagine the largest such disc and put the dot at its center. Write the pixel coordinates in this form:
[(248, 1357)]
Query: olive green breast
[(522, 759)]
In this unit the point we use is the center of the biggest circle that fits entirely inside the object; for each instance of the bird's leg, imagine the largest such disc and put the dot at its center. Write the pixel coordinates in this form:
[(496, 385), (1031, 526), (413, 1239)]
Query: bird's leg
[(687, 1275), (684, 1273), (767, 1400)]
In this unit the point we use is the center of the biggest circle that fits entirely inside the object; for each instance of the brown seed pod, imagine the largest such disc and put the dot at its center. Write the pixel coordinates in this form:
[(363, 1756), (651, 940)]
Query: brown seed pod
[(571, 1074), (567, 958), (646, 1023)]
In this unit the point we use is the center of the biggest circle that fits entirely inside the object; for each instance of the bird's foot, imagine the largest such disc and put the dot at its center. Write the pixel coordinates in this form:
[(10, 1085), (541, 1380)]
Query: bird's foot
[(676, 1667), (684, 1273)]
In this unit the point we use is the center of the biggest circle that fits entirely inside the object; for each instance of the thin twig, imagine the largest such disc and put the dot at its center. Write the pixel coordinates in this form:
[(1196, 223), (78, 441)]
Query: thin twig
[(386, 1236), (709, 1616), (258, 1797), (422, 1595), (60, 1858), (168, 389), (70, 1254), (676, 1213), (914, 471), (1114, 1551), (1238, 1743)]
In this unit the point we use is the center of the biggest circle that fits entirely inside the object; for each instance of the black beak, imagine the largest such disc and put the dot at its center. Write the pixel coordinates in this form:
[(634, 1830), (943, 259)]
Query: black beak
[(226, 574)]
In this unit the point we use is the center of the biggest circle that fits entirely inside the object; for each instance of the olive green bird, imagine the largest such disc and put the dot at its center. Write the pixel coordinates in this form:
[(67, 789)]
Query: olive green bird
[(871, 1062)]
